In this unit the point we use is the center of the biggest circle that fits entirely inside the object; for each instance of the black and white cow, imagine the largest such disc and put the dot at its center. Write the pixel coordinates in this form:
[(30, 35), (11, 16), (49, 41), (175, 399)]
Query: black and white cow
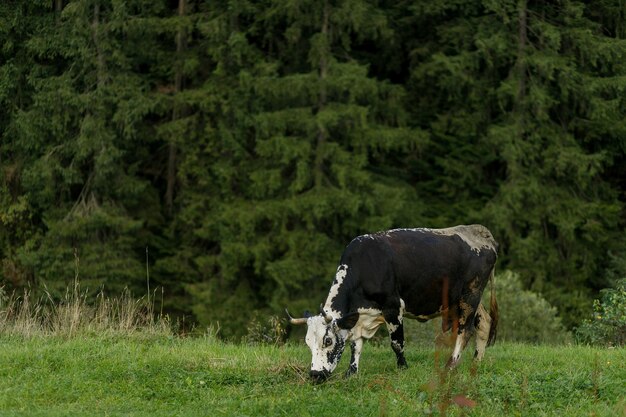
[(415, 273)]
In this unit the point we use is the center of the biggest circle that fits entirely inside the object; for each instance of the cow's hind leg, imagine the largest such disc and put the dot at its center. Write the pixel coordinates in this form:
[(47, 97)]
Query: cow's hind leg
[(396, 334), (462, 338), (465, 330), (482, 323)]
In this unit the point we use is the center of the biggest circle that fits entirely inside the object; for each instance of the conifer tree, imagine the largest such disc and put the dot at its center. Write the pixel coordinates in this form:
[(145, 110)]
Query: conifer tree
[(78, 141), (240, 145), (530, 91), (18, 21), (295, 156), (568, 102), (211, 141)]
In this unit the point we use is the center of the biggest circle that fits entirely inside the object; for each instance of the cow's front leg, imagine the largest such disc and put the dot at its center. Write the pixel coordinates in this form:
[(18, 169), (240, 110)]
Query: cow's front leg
[(356, 347), (396, 334)]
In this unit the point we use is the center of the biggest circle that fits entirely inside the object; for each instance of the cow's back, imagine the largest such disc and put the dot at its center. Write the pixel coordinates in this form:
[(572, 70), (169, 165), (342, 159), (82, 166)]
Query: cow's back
[(418, 265)]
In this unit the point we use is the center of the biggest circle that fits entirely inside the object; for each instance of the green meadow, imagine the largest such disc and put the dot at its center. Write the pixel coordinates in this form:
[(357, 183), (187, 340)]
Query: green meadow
[(150, 375)]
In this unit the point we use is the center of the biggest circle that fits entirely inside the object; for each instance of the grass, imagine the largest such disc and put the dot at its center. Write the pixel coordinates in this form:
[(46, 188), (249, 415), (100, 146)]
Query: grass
[(169, 376), (65, 357)]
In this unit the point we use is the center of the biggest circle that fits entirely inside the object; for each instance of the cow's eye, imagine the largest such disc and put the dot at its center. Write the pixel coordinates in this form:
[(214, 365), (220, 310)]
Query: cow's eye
[(328, 341)]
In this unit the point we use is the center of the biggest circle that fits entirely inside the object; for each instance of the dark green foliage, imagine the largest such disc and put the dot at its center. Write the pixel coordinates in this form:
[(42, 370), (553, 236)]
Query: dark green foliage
[(238, 146), (528, 101), (74, 145)]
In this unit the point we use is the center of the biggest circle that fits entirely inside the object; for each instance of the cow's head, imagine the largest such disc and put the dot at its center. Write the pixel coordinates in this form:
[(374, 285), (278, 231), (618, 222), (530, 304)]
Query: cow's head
[(326, 337)]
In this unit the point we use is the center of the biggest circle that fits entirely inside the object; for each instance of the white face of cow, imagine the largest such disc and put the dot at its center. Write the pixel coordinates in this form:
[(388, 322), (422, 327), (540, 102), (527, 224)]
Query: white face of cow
[(327, 340)]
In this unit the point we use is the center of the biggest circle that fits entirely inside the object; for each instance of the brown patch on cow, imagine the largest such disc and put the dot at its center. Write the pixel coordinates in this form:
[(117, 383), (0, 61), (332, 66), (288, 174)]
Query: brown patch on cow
[(474, 285), (466, 311)]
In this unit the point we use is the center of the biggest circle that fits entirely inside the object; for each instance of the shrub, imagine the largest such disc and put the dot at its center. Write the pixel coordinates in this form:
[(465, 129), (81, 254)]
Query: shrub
[(525, 316), (607, 325)]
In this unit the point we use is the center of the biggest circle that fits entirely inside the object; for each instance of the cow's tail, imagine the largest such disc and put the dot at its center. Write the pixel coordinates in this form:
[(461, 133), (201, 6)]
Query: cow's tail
[(493, 311)]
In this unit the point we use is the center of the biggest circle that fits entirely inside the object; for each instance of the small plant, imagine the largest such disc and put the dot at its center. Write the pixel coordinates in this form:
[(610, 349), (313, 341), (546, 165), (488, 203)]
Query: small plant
[(211, 333), (272, 332), (607, 326)]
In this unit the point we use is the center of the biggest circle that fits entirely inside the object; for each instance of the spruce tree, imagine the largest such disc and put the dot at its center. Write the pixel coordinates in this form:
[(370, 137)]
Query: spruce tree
[(238, 146), (78, 141), (18, 21), (296, 160), (528, 92)]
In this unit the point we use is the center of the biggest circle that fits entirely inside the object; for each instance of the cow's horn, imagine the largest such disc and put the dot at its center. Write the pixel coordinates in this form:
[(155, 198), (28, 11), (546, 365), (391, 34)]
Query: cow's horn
[(295, 321), (323, 313)]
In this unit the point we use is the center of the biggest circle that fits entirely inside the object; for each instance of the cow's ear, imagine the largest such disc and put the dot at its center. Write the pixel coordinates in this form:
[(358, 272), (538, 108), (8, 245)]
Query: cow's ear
[(348, 321)]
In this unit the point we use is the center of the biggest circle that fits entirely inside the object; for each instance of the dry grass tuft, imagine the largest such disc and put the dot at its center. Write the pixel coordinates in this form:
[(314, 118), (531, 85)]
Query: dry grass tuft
[(21, 315)]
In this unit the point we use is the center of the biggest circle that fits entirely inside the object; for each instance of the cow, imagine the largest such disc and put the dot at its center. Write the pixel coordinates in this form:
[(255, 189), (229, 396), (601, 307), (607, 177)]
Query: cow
[(417, 273)]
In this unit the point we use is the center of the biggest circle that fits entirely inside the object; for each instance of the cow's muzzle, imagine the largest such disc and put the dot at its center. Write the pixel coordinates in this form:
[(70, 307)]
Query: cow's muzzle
[(319, 376)]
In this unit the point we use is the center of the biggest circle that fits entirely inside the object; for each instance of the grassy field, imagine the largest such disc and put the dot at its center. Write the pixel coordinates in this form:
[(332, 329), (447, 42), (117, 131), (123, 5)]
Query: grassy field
[(168, 376)]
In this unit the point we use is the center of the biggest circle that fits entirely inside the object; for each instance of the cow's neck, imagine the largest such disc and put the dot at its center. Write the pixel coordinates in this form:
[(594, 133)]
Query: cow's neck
[(337, 303)]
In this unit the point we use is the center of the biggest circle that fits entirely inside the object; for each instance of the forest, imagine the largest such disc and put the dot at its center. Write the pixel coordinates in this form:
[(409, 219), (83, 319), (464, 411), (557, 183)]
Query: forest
[(219, 155)]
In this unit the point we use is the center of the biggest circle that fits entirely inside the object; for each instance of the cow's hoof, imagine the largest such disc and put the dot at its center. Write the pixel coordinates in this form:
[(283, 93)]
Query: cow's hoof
[(403, 365), (452, 363), (352, 370)]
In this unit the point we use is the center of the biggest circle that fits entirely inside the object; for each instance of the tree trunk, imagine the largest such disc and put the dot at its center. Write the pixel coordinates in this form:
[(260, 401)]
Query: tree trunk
[(99, 55), (522, 41), (322, 134), (176, 112), (58, 8)]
